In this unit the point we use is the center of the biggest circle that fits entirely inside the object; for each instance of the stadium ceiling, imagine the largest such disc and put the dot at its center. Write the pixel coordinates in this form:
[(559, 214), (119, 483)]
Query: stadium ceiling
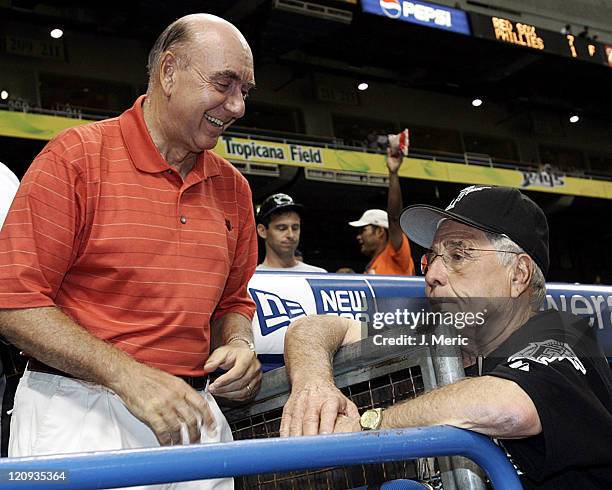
[(334, 36)]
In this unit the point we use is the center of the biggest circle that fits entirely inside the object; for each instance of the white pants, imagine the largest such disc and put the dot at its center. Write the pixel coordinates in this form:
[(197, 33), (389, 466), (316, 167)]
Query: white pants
[(55, 414)]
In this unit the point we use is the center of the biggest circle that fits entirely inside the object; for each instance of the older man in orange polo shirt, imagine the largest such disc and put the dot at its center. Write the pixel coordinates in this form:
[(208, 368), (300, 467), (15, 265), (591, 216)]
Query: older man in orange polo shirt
[(124, 263), (380, 236)]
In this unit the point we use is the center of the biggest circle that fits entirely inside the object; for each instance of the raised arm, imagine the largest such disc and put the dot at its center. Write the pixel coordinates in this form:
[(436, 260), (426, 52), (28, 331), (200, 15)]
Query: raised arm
[(394, 199), (315, 402)]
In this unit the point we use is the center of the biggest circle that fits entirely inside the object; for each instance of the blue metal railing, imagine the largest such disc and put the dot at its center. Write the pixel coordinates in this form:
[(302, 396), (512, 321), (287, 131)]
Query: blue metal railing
[(111, 469)]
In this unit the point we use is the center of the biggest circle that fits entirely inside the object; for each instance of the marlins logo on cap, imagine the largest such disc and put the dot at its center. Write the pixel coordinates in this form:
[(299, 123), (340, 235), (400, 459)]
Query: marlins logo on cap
[(277, 203), (463, 193)]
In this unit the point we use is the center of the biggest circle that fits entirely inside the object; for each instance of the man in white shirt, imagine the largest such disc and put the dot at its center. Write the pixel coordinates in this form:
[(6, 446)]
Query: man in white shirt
[(279, 224), (9, 184)]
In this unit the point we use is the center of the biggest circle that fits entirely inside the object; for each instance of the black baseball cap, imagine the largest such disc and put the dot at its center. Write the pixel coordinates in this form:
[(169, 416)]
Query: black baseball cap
[(502, 210), (275, 203)]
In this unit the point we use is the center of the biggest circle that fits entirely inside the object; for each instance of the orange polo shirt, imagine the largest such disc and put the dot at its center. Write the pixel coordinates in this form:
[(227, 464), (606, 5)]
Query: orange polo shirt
[(106, 230), (391, 261)]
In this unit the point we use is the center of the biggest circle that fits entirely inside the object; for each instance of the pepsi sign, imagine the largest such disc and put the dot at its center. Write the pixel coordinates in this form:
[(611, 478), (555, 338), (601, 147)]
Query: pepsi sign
[(422, 13)]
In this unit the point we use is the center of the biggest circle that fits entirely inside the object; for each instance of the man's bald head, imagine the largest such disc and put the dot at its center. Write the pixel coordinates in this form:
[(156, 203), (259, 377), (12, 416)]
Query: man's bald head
[(184, 33)]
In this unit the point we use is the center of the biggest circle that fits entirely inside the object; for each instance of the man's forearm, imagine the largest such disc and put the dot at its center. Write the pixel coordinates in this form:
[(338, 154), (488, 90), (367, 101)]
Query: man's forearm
[(394, 198), (394, 208), (159, 399), (310, 345), (489, 405), (52, 337), (230, 326)]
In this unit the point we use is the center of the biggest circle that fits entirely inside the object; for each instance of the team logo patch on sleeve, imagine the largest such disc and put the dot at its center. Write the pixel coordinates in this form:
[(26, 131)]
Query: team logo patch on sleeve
[(544, 353)]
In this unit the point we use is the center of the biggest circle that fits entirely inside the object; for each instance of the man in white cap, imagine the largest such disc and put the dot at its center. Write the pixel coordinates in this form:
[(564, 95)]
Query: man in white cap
[(380, 236)]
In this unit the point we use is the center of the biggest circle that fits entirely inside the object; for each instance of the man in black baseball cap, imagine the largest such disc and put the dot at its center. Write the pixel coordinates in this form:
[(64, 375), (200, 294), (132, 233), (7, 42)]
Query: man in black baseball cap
[(539, 383), (503, 211), (279, 224)]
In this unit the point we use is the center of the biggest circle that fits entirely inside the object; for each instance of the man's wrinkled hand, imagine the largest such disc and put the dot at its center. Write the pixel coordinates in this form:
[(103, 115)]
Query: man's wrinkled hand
[(174, 411), (242, 380), (313, 409)]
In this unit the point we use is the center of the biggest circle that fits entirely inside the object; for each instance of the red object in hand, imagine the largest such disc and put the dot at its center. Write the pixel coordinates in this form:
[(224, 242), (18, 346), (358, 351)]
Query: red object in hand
[(399, 143)]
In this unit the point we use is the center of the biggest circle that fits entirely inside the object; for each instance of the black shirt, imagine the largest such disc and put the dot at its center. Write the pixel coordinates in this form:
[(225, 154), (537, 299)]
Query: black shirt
[(555, 359)]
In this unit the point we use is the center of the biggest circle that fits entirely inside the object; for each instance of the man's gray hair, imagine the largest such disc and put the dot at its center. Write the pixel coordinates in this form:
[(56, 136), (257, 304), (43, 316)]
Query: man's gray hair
[(176, 36), (537, 284)]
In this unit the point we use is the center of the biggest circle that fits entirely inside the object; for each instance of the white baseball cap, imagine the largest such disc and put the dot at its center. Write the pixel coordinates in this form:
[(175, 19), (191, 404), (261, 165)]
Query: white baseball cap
[(376, 217)]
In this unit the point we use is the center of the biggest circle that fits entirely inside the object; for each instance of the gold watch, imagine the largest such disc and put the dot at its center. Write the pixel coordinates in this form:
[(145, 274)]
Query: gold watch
[(371, 419)]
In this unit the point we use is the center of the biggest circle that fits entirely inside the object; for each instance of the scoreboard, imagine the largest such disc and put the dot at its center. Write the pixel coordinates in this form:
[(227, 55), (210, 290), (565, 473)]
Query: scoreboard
[(532, 37), (496, 28)]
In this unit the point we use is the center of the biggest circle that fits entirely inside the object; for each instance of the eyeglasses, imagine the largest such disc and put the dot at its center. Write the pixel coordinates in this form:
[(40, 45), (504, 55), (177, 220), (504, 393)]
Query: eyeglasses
[(455, 258)]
